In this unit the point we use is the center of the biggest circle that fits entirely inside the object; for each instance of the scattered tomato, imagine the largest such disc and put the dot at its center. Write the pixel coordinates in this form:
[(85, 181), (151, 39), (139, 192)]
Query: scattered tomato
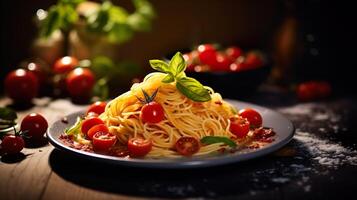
[(103, 141), (12, 144), (239, 126), (312, 90), (35, 125), (187, 146), (234, 52), (97, 107), (207, 54), (152, 112), (97, 128), (21, 85), (254, 118), (38, 71), (65, 65), (89, 123), (80, 82), (139, 147)]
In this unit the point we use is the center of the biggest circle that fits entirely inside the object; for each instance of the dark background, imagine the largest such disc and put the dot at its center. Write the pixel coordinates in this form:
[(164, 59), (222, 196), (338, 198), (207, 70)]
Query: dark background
[(260, 24)]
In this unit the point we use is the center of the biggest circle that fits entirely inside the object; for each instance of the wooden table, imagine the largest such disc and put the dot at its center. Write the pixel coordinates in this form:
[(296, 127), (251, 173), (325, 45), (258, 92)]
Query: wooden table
[(47, 173)]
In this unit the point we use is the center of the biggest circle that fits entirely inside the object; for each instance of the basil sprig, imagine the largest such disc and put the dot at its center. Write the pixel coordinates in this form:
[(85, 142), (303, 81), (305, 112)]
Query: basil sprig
[(175, 71), (217, 139)]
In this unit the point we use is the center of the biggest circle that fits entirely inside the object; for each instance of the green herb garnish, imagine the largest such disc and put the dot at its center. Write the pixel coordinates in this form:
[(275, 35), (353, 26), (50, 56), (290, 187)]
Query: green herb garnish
[(217, 139), (76, 128), (7, 118), (175, 71)]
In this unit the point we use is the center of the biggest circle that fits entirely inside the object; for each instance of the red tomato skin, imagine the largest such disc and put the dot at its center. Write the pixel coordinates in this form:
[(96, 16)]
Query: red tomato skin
[(239, 127), (35, 125), (21, 85), (207, 54), (254, 118), (104, 145), (139, 147), (222, 63), (152, 112), (65, 65), (89, 123), (234, 52), (97, 128), (97, 107), (253, 60), (313, 90), (187, 146), (12, 144), (80, 82)]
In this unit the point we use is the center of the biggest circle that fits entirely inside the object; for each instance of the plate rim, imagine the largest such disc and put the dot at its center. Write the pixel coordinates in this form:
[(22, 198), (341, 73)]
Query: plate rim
[(175, 163)]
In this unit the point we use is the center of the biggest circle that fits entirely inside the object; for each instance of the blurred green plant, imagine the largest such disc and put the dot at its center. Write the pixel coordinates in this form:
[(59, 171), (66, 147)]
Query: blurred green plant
[(109, 20), (7, 118), (107, 70)]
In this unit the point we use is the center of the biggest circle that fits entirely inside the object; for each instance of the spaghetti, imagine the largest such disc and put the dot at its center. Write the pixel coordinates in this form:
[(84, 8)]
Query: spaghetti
[(183, 117)]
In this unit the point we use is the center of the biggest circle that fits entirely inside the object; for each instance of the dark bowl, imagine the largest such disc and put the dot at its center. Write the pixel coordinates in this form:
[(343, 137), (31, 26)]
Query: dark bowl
[(234, 84)]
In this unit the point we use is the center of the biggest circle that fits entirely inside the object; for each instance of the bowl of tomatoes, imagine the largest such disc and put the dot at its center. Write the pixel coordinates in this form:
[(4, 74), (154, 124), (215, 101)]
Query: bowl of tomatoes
[(231, 70)]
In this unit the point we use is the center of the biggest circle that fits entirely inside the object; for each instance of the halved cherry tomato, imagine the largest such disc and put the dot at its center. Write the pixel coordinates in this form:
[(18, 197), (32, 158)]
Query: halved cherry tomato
[(139, 147), (12, 144), (234, 52), (187, 146), (254, 118), (103, 141), (97, 107), (239, 126), (152, 112), (65, 64), (207, 54), (97, 128), (89, 123)]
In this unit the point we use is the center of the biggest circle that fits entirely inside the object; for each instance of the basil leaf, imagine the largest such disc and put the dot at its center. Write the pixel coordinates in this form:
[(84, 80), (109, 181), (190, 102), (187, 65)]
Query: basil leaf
[(217, 139), (160, 65), (192, 89), (178, 63), (168, 79), (7, 114), (120, 33)]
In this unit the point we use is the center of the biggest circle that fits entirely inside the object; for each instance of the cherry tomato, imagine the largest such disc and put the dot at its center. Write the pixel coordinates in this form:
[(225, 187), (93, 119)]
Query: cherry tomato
[(253, 60), (12, 144), (239, 126), (312, 90), (65, 65), (254, 118), (21, 85), (97, 107), (207, 54), (97, 128), (80, 82), (103, 141), (222, 63), (35, 125), (234, 52), (152, 112), (38, 71), (191, 60), (89, 123), (201, 68), (187, 146), (139, 147)]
